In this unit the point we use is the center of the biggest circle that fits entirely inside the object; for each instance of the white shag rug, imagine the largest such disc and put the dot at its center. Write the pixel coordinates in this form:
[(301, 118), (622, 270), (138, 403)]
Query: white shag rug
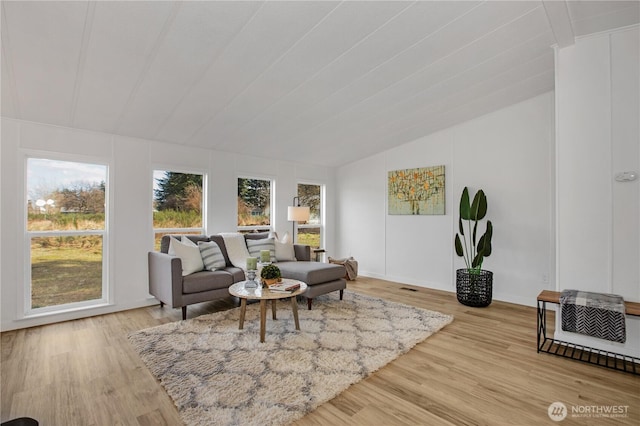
[(217, 374)]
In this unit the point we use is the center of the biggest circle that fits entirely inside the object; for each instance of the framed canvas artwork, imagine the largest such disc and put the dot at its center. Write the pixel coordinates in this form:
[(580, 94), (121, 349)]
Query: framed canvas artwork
[(416, 191)]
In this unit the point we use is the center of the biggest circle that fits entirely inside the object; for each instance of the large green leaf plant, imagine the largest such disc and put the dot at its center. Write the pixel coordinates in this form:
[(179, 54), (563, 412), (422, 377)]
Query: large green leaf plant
[(468, 247)]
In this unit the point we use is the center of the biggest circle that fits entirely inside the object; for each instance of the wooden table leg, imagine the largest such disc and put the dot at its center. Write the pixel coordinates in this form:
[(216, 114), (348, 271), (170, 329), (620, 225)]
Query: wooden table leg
[(263, 319), (294, 308), (243, 310), (273, 308)]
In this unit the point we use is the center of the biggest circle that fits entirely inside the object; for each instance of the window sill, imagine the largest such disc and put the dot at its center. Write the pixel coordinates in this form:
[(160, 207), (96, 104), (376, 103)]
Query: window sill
[(63, 311)]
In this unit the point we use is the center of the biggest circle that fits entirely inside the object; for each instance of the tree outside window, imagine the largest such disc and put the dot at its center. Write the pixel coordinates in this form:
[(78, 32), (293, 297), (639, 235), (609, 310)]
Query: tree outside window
[(177, 204), (310, 232), (254, 204)]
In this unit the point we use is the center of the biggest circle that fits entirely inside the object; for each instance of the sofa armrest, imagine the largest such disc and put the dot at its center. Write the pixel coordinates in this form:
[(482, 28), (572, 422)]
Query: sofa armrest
[(302, 252), (165, 278)]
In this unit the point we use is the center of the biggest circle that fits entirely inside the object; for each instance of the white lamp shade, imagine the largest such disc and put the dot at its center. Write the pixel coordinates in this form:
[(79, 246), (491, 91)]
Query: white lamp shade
[(297, 214)]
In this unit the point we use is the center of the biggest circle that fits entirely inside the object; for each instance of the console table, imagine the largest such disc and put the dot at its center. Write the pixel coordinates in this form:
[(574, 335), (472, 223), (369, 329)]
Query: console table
[(599, 357)]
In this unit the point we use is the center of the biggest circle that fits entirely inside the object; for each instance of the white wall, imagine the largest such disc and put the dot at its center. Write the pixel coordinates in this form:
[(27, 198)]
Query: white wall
[(510, 155), (131, 163), (597, 104)]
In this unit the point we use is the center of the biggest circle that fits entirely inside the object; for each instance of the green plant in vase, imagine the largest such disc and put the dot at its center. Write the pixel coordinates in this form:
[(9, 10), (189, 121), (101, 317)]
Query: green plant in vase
[(473, 284), (270, 274)]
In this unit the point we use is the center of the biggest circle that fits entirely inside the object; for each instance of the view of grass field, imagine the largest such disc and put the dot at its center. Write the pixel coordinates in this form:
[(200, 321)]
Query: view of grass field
[(65, 270), (309, 236), (68, 269)]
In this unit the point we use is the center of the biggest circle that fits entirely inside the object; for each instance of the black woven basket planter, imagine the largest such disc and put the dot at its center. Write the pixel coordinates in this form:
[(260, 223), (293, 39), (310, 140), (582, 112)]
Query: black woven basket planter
[(474, 289)]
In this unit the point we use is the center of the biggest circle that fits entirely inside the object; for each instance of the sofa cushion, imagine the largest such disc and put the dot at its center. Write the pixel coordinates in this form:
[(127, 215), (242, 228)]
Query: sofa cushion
[(237, 273), (236, 246), (256, 246), (311, 272), (166, 240), (285, 252), (257, 235), (223, 248), (189, 256), (206, 280), (211, 255)]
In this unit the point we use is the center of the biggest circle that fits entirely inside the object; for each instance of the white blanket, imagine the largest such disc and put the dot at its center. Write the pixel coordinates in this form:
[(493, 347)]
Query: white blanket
[(236, 248)]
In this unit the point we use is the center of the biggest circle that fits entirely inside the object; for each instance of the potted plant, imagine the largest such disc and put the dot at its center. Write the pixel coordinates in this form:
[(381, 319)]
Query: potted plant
[(270, 274), (473, 284)]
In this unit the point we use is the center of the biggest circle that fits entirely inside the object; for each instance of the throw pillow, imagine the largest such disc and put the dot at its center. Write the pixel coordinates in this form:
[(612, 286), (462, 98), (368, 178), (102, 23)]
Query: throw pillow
[(255, 246), (285, 252), (183, 240), (287, 238), (187, 242), (189, 255), (212, 256)]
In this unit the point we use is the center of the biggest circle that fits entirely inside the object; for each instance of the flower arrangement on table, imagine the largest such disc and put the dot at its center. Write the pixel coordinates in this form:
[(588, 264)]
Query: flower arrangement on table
[(270, 274)]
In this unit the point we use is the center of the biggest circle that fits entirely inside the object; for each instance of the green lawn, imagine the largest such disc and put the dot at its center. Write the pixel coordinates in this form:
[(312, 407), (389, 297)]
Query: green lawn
[(65, 270), (312, 240)]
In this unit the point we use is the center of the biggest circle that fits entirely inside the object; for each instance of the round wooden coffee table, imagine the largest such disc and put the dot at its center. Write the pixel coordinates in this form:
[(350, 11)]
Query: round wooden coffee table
[(262, 294)]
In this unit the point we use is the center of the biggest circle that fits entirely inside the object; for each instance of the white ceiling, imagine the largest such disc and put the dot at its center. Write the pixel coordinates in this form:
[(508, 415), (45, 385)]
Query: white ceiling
[(317, 82)]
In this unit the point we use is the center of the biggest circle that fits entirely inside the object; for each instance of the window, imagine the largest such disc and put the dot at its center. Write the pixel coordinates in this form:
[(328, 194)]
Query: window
[(178, 206), (254, 204), (66, 234), (311, 232)]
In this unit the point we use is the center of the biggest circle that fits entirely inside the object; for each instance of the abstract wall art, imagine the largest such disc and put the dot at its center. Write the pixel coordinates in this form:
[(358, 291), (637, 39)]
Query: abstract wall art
[(416, 191)]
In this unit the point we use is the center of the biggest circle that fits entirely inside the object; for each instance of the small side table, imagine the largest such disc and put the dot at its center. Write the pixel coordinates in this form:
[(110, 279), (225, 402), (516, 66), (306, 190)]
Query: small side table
[(318, 254)]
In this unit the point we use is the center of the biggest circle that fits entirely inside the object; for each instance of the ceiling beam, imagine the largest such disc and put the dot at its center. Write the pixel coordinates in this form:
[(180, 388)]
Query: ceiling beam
[(559, 21)]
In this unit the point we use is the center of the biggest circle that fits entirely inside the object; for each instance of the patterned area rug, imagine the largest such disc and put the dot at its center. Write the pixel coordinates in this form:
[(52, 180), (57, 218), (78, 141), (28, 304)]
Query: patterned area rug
[(217, 374)]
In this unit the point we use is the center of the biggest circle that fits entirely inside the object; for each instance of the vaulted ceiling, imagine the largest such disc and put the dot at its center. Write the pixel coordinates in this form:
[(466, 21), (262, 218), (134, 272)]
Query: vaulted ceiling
[(317, 82)]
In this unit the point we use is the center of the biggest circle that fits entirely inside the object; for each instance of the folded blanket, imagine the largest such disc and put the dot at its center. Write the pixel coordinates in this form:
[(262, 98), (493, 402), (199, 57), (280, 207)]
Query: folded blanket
[(350, 264), (594, 314), (236, 248)]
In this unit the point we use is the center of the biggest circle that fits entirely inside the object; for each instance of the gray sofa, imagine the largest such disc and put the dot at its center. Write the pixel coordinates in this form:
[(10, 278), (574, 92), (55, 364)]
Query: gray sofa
[(168, 285)]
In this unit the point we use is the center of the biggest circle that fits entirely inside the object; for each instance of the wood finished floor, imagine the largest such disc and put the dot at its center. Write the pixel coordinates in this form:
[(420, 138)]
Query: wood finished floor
[(483, 369)]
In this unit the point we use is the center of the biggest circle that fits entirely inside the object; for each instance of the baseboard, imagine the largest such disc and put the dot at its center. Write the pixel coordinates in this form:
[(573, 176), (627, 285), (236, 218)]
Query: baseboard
[(515, 299)]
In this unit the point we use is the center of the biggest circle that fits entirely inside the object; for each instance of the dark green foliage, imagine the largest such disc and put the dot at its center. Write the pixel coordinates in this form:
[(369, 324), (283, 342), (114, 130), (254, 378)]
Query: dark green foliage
[(254, 192), (179, 191), (473, 251), (270, 272), (310, 197)]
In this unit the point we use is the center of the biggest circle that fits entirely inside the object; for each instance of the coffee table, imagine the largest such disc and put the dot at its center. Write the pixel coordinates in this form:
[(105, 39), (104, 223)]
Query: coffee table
[(262, 294)]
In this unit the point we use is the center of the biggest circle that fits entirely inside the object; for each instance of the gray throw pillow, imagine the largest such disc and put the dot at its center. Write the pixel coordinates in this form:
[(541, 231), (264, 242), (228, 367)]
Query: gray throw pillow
[(212, 256), (255, 246)]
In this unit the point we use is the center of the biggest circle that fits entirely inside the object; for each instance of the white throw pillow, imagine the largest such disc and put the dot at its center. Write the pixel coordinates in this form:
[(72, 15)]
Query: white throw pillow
[(255, 246), (286, 238), (187, 242), (183, 240), (285, 252), (188, 254), (212, 256)]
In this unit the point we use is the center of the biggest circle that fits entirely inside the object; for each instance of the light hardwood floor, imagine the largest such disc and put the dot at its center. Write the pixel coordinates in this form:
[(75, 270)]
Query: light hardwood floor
[(483, 369)]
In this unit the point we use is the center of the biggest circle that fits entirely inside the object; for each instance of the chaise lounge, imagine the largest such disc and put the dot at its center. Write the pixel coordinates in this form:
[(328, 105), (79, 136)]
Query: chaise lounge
[(170, 287)]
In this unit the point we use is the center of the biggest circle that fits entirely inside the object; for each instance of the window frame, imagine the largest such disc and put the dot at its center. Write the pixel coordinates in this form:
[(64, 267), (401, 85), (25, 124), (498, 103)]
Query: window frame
[(272, 207), (202, 230), (107, 289), (322, 218)]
